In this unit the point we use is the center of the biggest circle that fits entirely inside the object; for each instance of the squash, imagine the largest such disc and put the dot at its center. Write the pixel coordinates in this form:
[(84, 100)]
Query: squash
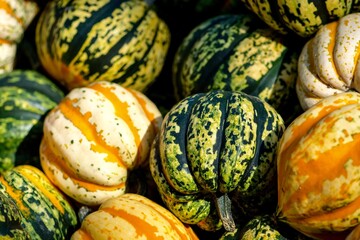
[(328, 61), (132, 216), (16, 16), (82, 41), (235, 52), (211, 146), (94, 137), (318, 169), (32, 207), (302, 18), (26, 97)]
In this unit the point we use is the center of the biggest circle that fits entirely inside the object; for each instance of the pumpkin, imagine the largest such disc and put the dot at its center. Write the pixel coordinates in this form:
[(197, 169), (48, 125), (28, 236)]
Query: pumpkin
[(33, 208), (237, 53), (302, 18), (26, 97), (16, 16), (94, 137), (328, 61), (213, 145), (132, 216), (318, 169), (82, 41)]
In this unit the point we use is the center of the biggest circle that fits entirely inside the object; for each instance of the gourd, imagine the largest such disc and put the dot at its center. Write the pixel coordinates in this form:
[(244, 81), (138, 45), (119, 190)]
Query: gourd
[(236, 52), (16, 16), (32, 207), (82, 41), (302, 18), (214, 145), (94, 137), (328, 61), (26, 97), (318, 169), (132, 216)]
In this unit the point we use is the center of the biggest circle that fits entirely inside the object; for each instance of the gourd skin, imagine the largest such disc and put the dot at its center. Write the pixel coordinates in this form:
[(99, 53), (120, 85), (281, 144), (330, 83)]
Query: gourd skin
[(41, 209), (207, 148), (132, 216), (302, 17), (15, 15), (26, 97), (318, 169), (328, 61), (95, 136), (237, 53), (82, 41)]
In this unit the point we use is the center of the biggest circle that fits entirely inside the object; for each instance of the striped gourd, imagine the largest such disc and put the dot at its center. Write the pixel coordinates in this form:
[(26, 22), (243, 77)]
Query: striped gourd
[(39, 209), (212, 144), (94, 137), (82, 41), (328, 63), (238, 53), (15, 15), (132, 216), (318, 169), (303, 17), (26, 97)]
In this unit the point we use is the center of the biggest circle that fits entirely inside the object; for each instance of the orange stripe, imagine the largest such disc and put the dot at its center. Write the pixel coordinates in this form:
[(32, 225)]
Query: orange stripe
[(46, 151), (16, 195), (120, 111), (9, 10), (81, 121), (41, 182), (332, 28)]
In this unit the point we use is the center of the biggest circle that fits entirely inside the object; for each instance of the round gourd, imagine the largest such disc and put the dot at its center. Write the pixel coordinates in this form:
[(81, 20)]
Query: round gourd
[(211, 146), (26, 97), (94, 137), (132, 216), (33, 208), (318, 169), (237, 53), (82, 41), (15, 15), (302, 18), (328, 63)]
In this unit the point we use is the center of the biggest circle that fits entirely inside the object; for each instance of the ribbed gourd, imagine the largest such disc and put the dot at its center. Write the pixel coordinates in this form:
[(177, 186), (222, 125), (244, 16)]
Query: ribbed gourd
[(328, 63), (16, 16), (26, 97), (82, 41), (303, 17), (213, 146), (236, 52), (94, 137), (32, 207), (318, 169), (132, 216)]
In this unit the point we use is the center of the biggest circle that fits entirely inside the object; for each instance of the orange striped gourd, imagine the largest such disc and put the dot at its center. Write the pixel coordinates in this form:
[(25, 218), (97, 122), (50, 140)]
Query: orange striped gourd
[(319, 169), (94, 137), (15, 15), (132, 216)]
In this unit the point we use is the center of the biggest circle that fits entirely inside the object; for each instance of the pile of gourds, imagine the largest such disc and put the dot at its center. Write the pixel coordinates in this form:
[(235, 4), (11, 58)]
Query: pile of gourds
[(139, 119)]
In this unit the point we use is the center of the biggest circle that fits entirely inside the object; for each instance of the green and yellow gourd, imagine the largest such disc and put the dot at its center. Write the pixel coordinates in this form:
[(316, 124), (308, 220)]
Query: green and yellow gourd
[(237, 53), (95, 137), (328, 63), (303, 17), (32, 208), (214, 145), (318, 169), (26, 97), (82, 41)]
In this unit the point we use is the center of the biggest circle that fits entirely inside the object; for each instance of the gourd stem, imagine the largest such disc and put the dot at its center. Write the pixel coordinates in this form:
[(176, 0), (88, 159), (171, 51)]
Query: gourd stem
[(223, 207)]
